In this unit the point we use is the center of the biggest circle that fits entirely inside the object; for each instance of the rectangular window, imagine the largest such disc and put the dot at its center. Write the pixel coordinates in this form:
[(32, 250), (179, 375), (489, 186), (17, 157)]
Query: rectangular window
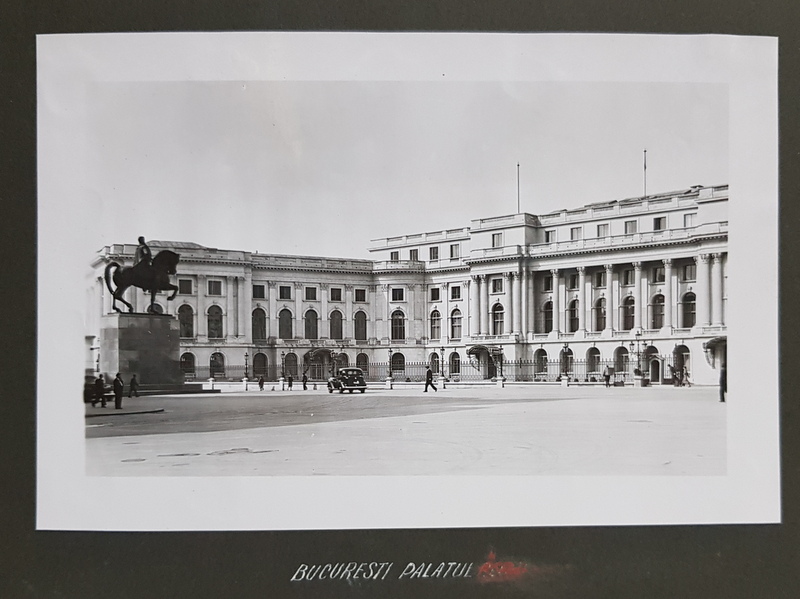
[(336, 294), (185, 286), (259, 292), (413, 255), (394, 256), (689, 272), (285, 292), (688, 220), (550, 236), (455, 292), (600, 279), (497, 240), (658, 275), (433, 253), (627, 276), (361, 295), (397, 295), (311, 294), (497, 285), (630, 227), (454, 253), (659, 223), (572, 282), (602, 230), (547, 283), (215, 288), (575, 233), (435, 294)]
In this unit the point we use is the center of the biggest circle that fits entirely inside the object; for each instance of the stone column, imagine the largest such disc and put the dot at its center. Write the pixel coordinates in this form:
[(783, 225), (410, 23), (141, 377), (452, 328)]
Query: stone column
[(473, 320), (484, 305), (524, 300), (716, 289), (272, 316), (412, 328), (230, 307), (444, 291), (348, 326), (581, 298), (465, 313), (508, 310), (667, 293), (702, 291), (299, 328), (202, 306), (611, 289), (105, 297), (516, 302), (385, 312), (556, 300), (638, 306)]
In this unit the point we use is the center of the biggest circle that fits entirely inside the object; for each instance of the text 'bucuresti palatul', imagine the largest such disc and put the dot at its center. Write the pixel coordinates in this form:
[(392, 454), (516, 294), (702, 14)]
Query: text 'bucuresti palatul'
[(381, 570)]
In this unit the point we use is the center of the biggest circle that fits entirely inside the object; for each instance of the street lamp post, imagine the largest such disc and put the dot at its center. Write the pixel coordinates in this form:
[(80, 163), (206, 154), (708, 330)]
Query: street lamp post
[(246, 372), (283, 371), (441, 367), (389, 375)]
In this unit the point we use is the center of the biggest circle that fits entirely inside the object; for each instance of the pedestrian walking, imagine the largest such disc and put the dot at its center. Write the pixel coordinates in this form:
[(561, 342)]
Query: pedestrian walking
[(305, 382), (134, 390), (723, 382), (685, 377), (429, 380), (607, 376), (290, 380), (99, 392), (261, 383), (119, 387)]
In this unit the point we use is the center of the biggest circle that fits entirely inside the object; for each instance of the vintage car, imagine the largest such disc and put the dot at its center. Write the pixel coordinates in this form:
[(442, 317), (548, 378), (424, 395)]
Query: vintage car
[(348, 379), (89, 390)]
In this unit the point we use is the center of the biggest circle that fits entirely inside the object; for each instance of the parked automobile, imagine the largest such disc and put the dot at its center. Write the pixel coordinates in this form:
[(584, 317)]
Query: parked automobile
[(348, 379), (89, 393)]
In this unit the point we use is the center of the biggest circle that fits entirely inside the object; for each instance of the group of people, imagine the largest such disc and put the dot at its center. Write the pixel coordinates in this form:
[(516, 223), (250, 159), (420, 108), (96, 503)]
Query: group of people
[(118, 387), (289, 382)]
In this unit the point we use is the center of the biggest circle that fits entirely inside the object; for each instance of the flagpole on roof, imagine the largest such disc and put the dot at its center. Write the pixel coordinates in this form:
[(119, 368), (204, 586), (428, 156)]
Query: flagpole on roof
[(518, 210), (645, 173)]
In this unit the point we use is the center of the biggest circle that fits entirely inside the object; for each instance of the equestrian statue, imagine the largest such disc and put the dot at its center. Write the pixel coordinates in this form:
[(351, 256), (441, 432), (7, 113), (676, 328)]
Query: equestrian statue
[(147, 273)]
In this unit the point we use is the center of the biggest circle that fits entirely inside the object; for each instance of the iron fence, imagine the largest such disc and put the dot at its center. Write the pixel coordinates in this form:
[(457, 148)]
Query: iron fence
[(655, 368)]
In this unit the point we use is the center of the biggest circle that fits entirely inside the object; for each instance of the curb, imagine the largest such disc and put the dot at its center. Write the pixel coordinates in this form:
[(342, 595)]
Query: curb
[(114, 413)]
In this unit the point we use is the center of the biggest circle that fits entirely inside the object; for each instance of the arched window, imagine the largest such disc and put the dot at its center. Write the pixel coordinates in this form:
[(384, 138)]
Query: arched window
[(311, 327), (547, 310), (216, 365), (187, 363), (158, 309), (592, 359), (398, 326), (260, 364), (680, 358), (566, 361), (628, 309), (540, 361), (336, 325), (436, 325), (455, 324), (215, 322), (657, 312), (360, 321), (290, 364), (259, 324), (455, 363), (498, 316), (186, 321), (362, 362), (572, 315), (398, 362), (434, 362), (688, 314), (621, 360), (285, 324), (600, 314)]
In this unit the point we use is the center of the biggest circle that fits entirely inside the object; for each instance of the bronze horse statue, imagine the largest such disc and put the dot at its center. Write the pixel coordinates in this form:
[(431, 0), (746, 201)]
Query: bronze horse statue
[(148, 277)]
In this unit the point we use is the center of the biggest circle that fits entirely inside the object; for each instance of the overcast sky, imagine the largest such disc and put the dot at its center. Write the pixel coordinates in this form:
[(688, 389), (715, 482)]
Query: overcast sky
[(321, 168)]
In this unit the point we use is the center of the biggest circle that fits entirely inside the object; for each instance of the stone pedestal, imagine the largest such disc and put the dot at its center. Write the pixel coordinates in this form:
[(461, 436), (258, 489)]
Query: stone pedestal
[(147, 345)]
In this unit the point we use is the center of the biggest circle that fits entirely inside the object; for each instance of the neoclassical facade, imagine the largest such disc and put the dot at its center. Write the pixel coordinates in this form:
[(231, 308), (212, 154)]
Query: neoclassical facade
[(638, 285)]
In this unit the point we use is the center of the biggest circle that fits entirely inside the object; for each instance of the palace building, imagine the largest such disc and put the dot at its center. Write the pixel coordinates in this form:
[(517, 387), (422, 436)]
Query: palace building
[(638, 285)]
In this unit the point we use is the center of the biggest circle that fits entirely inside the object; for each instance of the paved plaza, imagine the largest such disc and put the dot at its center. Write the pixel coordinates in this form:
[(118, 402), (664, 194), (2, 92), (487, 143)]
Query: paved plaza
[(516, 430)]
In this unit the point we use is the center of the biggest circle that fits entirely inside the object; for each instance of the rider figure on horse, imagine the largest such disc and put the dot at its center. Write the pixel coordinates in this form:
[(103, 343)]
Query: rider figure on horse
[(143, 258)]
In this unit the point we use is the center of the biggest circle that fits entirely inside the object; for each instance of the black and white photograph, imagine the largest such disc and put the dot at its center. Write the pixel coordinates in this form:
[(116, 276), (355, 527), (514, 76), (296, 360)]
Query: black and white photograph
[(335, 281)]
